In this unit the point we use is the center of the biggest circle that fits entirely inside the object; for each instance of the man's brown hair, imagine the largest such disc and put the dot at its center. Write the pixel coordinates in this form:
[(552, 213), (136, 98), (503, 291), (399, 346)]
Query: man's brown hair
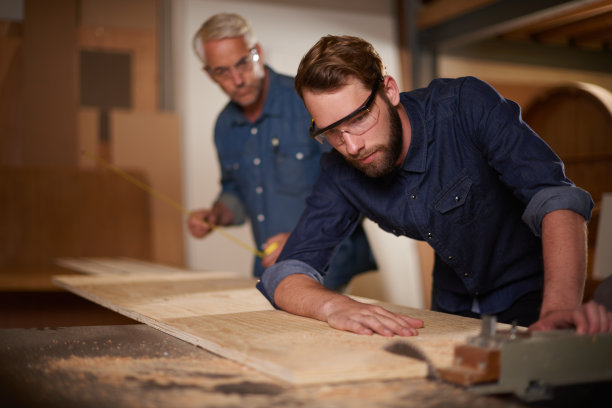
[(333, 59)]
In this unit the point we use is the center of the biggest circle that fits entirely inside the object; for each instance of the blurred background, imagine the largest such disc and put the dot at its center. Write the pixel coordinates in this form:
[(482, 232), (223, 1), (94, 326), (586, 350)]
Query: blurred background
[(89, 82)]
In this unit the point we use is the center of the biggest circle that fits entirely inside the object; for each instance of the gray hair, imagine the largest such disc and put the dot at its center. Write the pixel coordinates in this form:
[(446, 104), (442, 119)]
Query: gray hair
[(219, 26)]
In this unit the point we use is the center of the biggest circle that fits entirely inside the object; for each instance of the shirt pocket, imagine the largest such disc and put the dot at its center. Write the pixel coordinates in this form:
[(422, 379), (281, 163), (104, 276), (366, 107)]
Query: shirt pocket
[(456, 200), (297, 168)]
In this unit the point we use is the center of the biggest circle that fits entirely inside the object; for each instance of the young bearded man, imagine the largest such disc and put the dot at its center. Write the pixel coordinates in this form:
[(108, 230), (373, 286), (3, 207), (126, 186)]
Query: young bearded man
[(452, 164)]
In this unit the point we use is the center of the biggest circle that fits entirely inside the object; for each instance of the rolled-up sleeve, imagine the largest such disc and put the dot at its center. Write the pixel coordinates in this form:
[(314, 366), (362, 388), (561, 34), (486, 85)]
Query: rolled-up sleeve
[(279, 271), (233, 203), (556, 198)]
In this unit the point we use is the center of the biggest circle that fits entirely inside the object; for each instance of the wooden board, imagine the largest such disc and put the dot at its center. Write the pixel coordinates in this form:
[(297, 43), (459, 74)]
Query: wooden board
[(116, 266), (225, 314)]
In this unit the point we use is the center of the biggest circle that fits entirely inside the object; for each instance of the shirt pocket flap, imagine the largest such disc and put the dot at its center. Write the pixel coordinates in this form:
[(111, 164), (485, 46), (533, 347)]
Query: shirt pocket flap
[(455, 196)]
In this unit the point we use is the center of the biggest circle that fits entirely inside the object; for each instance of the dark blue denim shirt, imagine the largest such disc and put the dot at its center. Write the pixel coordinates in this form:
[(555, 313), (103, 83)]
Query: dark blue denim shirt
[(475, 184), (268, 169)]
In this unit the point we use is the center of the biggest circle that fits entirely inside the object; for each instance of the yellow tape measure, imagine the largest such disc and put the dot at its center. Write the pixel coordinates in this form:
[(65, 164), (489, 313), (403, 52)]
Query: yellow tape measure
[(178, 206), (271, 248)]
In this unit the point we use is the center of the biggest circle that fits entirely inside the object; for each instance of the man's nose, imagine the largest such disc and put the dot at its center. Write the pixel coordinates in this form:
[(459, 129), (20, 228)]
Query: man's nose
[(236, 76), (353, 143)]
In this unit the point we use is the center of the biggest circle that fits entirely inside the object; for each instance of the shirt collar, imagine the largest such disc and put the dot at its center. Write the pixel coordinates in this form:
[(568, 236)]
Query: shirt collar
[(416, 157)]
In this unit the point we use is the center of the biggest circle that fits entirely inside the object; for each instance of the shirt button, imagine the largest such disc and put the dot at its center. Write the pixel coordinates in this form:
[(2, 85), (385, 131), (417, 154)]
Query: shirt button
[(466, 274), (254, 131), (457, 198), (259, 190), (275, 142), (261, 218), (299, 155), (257, 161), (450, 258), (429, 235), (413, 196)]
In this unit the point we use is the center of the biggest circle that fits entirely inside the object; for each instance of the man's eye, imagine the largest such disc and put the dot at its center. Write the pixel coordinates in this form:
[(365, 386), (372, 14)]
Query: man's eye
[(219, 71), (360, 118), (333, 134), (241, 63)]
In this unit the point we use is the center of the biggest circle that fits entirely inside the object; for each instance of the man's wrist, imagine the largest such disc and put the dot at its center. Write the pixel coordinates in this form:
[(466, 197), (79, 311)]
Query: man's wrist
[(222, 213)]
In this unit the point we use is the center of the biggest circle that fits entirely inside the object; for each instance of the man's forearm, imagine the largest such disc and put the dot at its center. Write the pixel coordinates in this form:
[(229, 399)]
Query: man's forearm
[(301, 295), (223, 214), (564, 255)]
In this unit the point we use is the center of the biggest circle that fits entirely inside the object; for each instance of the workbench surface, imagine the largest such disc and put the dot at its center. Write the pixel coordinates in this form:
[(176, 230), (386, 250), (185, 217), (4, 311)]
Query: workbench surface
[(138, 366)]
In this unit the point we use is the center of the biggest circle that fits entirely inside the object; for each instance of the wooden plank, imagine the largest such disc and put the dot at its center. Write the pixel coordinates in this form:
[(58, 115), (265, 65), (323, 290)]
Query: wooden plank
[(440, 11), (228, 316), (117, 266)]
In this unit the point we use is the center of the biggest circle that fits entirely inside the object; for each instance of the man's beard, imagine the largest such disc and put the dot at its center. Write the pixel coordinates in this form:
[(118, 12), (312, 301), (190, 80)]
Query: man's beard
[(388, 154)]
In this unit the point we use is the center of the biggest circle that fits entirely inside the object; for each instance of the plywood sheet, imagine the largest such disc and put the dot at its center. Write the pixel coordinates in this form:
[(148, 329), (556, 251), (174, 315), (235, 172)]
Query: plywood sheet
[(228, 316)]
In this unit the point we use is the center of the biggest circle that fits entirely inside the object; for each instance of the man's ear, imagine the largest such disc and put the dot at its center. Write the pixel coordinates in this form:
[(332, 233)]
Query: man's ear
[(392, 90), (260, 52)]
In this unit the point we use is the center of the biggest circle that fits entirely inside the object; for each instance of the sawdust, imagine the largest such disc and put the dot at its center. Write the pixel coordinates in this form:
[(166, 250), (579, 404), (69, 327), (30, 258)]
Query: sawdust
[(211, 381), (181, 372)]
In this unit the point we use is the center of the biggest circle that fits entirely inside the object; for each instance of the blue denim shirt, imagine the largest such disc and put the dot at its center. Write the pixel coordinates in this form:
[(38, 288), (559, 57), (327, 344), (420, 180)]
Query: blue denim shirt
[(268, 169), (475, 184)]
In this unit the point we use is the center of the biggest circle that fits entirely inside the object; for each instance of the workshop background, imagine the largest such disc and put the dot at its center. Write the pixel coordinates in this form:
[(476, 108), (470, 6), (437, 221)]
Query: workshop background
[(84, 83)]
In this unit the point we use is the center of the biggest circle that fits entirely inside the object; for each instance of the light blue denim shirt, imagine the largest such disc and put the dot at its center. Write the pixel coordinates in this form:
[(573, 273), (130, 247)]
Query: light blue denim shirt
[(268, 169), (475, 185)]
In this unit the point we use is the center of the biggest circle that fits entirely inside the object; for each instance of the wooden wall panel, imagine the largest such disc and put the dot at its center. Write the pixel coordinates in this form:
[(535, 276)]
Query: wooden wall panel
[(150, 142), (142, 44), (88, 120), (11, 101), (50, 81), (51, 212), (119, 13)]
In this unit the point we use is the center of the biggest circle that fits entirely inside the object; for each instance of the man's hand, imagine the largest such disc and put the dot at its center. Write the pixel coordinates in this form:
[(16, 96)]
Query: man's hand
[(301, 295), (347, 314), (588, 318), (279, 240), (202, 222)]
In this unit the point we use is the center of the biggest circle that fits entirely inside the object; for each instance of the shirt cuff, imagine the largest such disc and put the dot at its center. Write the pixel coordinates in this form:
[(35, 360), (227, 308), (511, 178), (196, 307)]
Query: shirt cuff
[(279, 271), (556, 198), (233, 203)]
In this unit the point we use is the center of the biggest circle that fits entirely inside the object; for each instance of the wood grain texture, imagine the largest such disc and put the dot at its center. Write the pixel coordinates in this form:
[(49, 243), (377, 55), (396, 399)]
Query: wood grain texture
[(51, 212), (119, 266), (225, 314)]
